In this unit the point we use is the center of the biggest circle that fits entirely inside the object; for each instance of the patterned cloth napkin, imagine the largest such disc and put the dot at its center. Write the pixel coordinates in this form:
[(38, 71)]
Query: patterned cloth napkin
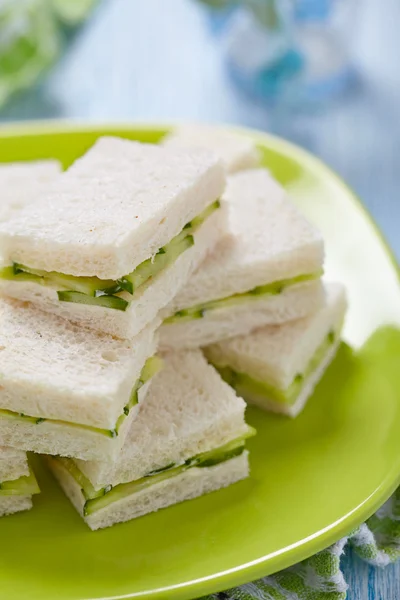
[(320, 577)]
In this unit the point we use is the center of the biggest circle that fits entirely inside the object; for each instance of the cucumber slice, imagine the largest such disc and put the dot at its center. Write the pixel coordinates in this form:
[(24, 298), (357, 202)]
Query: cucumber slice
[(161, 470), (126, 489), (11, 273), (247, 386), (23, 486), (98, 499), (186, 314), (153, 365), (219, 458), (88, 490), (26, 418), (86, 285), (279, 286), (101, 292), (105, 301), (166, 255), (151, 267), (133, 400), (9, 414), (271, 289), (199, 220), (228, 450)]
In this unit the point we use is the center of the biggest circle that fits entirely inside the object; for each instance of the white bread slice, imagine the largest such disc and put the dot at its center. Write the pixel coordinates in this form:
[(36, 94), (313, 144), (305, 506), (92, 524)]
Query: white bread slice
[(276, 354), (53, 369), (270, 241), (188, 410), (113, 208), (190, 484), (236, 151), (292, 410), (148, 299), (63, 439), (295, 302), (22, 182), (13, 464), (12, 504)]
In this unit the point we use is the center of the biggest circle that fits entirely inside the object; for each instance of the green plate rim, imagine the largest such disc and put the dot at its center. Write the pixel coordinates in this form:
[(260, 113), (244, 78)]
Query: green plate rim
[(277, 561)]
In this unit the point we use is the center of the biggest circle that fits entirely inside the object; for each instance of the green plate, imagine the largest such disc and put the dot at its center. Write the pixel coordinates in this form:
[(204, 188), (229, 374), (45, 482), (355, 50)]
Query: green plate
[(313, 479)]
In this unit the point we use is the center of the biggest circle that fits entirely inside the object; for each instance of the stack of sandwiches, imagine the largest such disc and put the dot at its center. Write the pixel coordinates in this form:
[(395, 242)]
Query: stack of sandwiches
[(19, 182), (146, 293), (266, 270), (189, 439)]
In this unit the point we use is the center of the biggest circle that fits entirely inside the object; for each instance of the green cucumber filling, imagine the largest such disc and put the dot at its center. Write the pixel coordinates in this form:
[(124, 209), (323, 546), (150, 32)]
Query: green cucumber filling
[(152, 366), (246, 386), (111, 293), (98, 499), (23, 486), (270, 289)]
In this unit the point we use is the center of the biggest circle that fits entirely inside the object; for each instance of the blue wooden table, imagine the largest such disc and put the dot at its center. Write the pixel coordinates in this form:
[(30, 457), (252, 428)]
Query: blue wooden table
[(157, 60)]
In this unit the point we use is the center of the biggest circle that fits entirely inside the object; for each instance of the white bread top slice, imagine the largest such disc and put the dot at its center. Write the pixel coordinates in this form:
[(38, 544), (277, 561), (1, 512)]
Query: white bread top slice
[(270, 241), (53, 369), (13, 464), (22, 182), (189, 409), (113, 208), (277, 353), (147, 300), (236, 151)]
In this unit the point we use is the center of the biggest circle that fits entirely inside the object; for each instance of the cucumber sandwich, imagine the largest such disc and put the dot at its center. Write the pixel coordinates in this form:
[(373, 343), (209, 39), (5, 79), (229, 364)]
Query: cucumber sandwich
[(117, 235), (188, 439), (267, 270), (69, 390), (236, 151), (17, 481), (277, 367), (22, 183)]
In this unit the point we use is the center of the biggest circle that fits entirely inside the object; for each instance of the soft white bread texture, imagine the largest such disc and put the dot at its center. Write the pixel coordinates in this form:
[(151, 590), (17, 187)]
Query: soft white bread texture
[(292, 410), (236, 151), (53, 369), (270, 241), (113, 208), (276, 354), (147, 300), (190, 484), (22, 182), (12, 504), (13, 464), (188, 410), (295, 302), (64, 439)]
